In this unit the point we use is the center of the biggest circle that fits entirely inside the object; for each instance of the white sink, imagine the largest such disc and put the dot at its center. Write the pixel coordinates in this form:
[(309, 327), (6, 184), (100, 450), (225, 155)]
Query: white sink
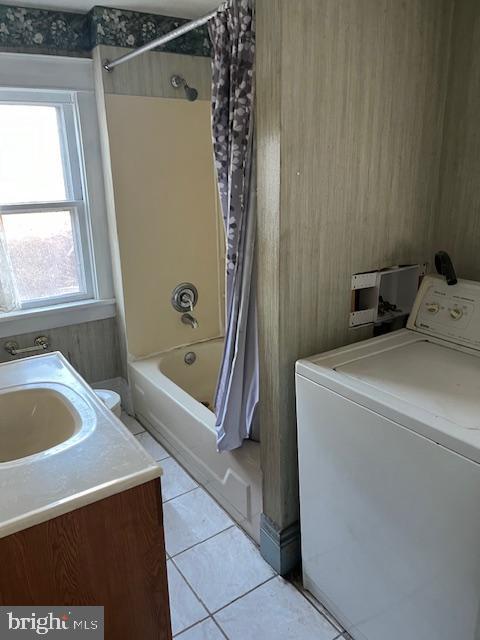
[(60, 447), (33, 420)]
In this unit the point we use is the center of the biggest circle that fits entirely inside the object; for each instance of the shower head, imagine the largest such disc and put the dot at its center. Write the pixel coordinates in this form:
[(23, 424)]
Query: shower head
[(179, 82), (191, 93)]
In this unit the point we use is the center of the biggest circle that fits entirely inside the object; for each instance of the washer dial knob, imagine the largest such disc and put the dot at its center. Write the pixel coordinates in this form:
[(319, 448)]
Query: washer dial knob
[(456, 313), (432, 307)]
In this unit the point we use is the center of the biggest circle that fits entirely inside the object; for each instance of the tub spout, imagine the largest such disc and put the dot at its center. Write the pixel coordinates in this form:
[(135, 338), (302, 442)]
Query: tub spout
[(187, 318)]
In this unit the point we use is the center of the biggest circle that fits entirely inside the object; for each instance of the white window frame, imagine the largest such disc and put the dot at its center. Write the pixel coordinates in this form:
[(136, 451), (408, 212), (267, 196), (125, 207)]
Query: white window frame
[(74, 176), (72, 78)]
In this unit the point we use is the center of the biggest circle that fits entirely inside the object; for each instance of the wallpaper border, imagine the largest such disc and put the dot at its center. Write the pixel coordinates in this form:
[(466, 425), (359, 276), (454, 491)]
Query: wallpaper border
[(61, 32)]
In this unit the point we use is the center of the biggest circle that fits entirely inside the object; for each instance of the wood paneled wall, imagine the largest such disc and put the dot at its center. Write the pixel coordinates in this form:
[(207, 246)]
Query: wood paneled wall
[(149, 75), (459, 204), (91, 347), (351, 102)]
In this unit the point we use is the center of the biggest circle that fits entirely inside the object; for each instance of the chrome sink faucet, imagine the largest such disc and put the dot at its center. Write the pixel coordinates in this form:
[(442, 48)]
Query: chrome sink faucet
[(187, 318)]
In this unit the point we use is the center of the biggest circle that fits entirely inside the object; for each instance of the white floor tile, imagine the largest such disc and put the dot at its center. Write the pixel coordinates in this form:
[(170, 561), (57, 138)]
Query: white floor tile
[(192, 518), (223, 568), (153, 447), (206, 630), (274, 611), (185, 608), (132, 425), (175, 480)]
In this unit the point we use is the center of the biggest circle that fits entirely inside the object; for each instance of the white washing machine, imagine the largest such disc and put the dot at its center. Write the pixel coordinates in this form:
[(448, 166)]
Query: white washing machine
[(389, 458)]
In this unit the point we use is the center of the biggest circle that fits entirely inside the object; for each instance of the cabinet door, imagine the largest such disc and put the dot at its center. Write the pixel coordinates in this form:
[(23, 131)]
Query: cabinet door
[(109, 553)]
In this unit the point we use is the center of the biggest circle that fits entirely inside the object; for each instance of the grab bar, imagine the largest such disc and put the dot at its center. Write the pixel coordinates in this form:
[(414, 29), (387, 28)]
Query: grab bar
[(40, 344)]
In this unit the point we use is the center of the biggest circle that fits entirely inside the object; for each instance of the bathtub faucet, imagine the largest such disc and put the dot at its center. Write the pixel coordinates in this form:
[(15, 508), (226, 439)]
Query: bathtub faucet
[(187, 318)]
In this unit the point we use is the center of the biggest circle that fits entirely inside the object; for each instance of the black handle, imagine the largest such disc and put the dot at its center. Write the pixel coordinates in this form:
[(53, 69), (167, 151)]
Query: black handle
[(444, 267)]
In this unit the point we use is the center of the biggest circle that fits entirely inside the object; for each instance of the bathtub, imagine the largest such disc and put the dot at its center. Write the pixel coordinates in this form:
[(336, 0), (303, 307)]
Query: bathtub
[(173, 400)]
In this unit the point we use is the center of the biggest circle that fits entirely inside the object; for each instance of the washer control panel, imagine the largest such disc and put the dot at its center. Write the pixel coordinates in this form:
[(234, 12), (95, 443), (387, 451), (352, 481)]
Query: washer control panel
[(449, 312)]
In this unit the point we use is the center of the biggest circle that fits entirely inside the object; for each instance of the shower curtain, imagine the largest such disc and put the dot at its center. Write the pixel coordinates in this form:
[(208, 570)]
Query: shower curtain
[(9, 299), (232, 32)]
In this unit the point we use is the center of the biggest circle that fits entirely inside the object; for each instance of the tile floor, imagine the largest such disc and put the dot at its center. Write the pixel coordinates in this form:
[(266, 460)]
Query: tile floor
[(220, 586)]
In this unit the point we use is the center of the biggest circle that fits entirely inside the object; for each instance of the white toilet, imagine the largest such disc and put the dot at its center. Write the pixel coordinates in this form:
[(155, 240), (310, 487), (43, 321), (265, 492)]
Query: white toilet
[(111, 399)]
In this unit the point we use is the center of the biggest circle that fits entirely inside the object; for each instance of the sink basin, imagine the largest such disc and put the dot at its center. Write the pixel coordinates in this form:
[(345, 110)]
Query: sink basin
[(33, 420), (61, 449)]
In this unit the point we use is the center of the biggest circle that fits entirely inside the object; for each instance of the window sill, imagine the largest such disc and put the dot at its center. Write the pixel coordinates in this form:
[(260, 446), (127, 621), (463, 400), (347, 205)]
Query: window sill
[(60, 315)]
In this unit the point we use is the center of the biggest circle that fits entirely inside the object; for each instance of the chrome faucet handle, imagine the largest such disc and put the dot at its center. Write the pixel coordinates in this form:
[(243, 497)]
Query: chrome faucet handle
[(187, 299), (184, 297)]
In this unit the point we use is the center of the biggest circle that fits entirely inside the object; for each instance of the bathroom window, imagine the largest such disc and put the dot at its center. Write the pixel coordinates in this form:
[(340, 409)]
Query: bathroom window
[(43, 208)]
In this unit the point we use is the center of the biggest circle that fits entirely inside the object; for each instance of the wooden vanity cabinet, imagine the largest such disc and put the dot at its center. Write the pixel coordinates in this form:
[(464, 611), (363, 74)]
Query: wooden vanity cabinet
[(109, 553)]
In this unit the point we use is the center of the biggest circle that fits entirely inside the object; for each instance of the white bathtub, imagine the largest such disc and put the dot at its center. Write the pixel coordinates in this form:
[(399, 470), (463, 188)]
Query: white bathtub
[(168, 396)]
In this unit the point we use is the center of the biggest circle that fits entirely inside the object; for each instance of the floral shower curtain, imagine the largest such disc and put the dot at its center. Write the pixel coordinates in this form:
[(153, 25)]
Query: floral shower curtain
[(232, 32), (9, 299)]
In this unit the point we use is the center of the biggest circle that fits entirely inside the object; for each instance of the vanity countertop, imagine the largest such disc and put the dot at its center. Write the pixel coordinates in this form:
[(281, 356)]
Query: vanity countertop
[(102, 459)]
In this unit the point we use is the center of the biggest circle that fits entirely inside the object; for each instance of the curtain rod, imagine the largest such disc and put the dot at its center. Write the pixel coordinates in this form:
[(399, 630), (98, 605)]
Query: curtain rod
[(185, 28)]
